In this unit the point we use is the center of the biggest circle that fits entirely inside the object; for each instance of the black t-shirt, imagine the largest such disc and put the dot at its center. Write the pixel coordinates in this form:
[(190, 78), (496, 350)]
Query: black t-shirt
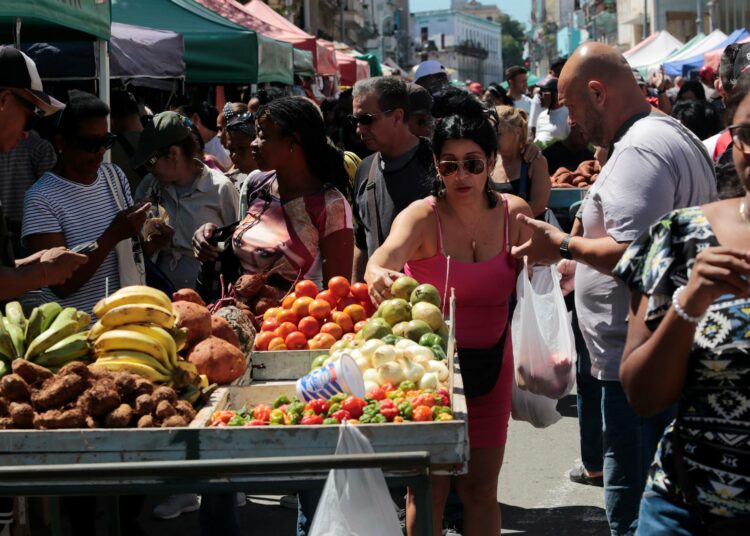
[(559, 155), (399, 182)]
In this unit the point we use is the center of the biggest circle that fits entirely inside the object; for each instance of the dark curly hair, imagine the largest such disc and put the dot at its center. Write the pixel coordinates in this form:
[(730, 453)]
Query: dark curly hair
[(299, 118), (465, 118)]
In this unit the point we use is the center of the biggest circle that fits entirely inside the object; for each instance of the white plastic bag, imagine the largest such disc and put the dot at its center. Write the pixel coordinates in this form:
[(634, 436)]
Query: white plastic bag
[(544, 349), (538, 410), (355, 502)]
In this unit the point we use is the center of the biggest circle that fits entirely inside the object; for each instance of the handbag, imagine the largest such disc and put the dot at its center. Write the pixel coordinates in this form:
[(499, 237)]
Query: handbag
[(130, 259)]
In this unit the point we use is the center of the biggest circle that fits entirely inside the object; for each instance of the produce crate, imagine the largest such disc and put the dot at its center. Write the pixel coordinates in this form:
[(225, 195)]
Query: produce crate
[(562, 198), (282, 364)]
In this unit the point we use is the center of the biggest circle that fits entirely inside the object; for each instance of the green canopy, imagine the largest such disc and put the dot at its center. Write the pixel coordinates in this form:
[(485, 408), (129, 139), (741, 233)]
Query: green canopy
[(303, 63), (375, 69), (54, 19), (217, 51)]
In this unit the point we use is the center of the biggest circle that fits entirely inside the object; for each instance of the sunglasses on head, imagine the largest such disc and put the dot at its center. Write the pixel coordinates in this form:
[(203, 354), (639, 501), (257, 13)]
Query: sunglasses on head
[(741, 136), (475, 166), (366, 119), (94, 145)]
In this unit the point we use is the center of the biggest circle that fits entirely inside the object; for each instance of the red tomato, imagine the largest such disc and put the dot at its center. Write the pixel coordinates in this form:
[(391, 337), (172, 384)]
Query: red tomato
[(306, 288), (313, 419), (322, 341), (269, 324), (356, 312), (332, 329), (346, 301), (339, 286), (347, 337), (359, 325), (343, 320), (328, 296), (296, 340), (360, 291), (262, 412), (376, 394), (276, 344), (309, 326), (285, 329), (288, 301), (301, 306), (369, 307), (262, 340), (342, 415), (320, 309), (287, 315)]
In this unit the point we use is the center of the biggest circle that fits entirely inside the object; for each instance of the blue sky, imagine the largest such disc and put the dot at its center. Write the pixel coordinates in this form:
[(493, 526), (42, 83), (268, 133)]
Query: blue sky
[(518, 9)]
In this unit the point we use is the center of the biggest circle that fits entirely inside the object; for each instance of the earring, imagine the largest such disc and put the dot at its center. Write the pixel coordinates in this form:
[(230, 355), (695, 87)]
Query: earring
[(440, 190)]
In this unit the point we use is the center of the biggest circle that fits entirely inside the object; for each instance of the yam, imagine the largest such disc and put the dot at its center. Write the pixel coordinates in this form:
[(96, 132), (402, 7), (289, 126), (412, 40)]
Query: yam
[(22, 414), (6, 423), (185, 409), (146, 421), (142, 387), (188, 295), (196, 318), (219, 360), (241, 325), (58, 391), (164, 410), (75, 367), (55, 419), (120, 417), (164, 393), (249, 285), (99, 400), (220, 328), (174, 421), (145, 405), (14, 388), (32, 373)]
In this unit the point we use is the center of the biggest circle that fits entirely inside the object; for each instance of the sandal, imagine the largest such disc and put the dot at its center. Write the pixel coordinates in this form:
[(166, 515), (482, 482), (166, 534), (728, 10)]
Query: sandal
[(579, 475)]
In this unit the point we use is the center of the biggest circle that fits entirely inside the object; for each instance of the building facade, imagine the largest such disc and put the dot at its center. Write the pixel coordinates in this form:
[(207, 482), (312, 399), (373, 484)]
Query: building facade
[(469, 44)]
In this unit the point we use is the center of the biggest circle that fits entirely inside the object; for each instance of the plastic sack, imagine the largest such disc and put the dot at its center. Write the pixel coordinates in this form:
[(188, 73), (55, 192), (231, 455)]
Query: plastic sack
[(355, 502), (544, 350), (538, 410)]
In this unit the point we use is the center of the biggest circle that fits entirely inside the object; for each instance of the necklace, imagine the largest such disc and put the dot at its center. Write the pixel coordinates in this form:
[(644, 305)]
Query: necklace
[(743, 212)]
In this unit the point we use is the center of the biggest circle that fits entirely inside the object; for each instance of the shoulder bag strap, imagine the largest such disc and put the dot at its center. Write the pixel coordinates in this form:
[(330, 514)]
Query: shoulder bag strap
[(372, 207)]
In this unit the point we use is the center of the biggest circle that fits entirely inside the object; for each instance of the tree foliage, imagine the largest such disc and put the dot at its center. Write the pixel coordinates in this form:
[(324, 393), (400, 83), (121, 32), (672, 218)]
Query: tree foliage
[(514, 37)]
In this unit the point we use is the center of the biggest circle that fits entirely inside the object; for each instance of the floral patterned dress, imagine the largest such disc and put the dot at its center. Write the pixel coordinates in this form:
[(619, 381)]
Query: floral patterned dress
[(714, 416)]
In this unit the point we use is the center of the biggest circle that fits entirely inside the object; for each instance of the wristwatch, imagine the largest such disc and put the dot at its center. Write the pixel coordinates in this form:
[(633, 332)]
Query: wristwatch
[(564, 251)]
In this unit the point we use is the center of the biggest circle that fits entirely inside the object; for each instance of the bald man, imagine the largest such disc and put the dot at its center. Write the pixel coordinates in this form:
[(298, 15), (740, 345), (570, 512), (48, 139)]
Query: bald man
[(655, 166)]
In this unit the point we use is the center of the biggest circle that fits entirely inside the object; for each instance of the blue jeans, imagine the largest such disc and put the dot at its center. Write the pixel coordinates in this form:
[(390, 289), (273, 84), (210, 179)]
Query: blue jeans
[(663, 516), (308, 503), (589, 403), (630, 443)]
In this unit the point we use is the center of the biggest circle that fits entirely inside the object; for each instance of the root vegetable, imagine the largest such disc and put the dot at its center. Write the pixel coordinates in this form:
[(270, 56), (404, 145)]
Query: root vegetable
[(164, 410), (91, 422), (119, 417), (58, 391), (188, 295), (219, 360), (142, 387), (55, 419), (32, 373), (248, 286), (77, 368), (164, 393), (14, 388), (6, 423), (4, 411), (99, 400), (146, 421), (174, 421), (241, 325), (220, 328), (196, 318), (263, 305), (185, 409), (145, 405), (22, 414)]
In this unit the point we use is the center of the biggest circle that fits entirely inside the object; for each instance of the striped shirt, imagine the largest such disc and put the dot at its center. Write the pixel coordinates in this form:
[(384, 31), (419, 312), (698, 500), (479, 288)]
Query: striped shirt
[(20, 168), (81, 212)]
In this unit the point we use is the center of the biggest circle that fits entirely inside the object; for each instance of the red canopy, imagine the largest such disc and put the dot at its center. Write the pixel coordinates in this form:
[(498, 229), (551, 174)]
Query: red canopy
[(351, 69), (363, 70), (274, 25)]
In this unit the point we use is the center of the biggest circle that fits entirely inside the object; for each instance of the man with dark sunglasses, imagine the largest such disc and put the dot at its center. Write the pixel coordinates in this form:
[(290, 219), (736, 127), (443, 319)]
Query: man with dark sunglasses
[(400, 171), (21, 101)]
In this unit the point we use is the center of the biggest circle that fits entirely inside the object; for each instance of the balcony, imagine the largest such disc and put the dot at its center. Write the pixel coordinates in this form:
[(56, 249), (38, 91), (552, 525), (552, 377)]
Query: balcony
[(472, 49)]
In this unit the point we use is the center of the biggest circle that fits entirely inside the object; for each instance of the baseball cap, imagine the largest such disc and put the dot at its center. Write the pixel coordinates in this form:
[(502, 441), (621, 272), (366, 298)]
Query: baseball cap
[(558, 62), (427, 68), (550, 84), (741, 62), (420, 100), (167, 128), (18, 71)]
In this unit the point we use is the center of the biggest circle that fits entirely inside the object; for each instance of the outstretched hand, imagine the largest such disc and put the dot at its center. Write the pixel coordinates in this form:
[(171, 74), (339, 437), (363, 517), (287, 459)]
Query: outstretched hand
[(544, 245)]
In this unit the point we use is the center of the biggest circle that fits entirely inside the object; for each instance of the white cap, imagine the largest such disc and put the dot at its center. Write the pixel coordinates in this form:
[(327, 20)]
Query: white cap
[(427, 68)]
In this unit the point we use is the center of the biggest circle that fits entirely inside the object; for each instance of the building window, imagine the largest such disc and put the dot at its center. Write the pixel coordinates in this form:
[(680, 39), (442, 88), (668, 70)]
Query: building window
[(424, 33)]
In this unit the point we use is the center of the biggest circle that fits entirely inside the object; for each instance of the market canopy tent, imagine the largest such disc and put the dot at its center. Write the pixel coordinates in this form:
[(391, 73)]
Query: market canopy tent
[(713, 58), (640, 45), (673, 64), (217, 51), (279, 28), (303, 63), (53, 19), (351, 69), (135, 52), (276, 57), (696, 62), (656, 51)]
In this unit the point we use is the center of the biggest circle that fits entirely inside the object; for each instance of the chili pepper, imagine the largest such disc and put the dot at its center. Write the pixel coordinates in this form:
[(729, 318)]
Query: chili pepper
[(295, 418), (376, 394), (398, 418), (312, 419), (333, 408), (276, 417), (340, 397), (283, 399), (407, 385), (445, 397), (331, 420), (379, 418), (342, 415), (445, 417), (424, 400), (236, 421), (287, 418), (406, 410), (262, 412), (354, 405), (319, 406), (422, 413)]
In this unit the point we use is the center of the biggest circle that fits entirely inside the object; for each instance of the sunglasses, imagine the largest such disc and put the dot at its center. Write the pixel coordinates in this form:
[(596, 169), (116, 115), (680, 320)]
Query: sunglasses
[(36, 113), (366, 119), (741, 136), (475, 166), (94, 145)]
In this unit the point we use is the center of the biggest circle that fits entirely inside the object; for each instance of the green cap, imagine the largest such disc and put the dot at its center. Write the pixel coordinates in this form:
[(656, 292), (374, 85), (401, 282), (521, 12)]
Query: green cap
[(166, 129)]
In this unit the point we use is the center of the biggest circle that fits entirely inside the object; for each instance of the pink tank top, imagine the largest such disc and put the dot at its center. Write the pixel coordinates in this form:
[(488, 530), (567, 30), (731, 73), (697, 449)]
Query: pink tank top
[(482, 288)]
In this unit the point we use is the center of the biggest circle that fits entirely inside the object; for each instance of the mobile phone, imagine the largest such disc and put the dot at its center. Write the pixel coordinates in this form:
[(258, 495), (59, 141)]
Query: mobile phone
[(85, 248), (222, 234)]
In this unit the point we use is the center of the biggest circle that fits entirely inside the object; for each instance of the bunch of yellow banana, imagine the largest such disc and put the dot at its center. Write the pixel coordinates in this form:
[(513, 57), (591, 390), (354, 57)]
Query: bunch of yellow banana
[(50, 337), (135, 333)]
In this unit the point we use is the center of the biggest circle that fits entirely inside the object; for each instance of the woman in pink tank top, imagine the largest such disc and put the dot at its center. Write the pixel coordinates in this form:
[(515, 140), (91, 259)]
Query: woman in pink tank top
[(460, 238)]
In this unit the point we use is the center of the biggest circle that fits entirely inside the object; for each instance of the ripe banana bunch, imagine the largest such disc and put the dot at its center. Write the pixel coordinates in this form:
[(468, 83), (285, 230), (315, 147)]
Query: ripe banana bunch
[(50, 337), (135, 333)]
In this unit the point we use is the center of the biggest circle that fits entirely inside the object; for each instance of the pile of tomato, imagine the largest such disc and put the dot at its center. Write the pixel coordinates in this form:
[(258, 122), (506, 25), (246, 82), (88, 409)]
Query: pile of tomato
[(311, 319), (382, 405)]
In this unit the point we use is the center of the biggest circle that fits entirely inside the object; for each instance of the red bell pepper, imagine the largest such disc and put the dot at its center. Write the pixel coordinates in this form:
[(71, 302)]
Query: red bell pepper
[(354, 405), (312, 419)]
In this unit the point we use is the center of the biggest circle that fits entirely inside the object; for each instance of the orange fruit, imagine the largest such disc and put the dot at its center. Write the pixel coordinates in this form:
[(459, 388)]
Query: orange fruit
[(320, 309), (287, 302), (339, 286), (272, 311), (323, 341), (301, 306), (343, 320), (346, 301), (262, 340), (359, 325), (333, 329), (356, 312), (296, 340), (309, 326), (328, 296), (287, 315), (285, 329), (369, 307), (277, 343), (360, 291), (306, 288), (269, 324)]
